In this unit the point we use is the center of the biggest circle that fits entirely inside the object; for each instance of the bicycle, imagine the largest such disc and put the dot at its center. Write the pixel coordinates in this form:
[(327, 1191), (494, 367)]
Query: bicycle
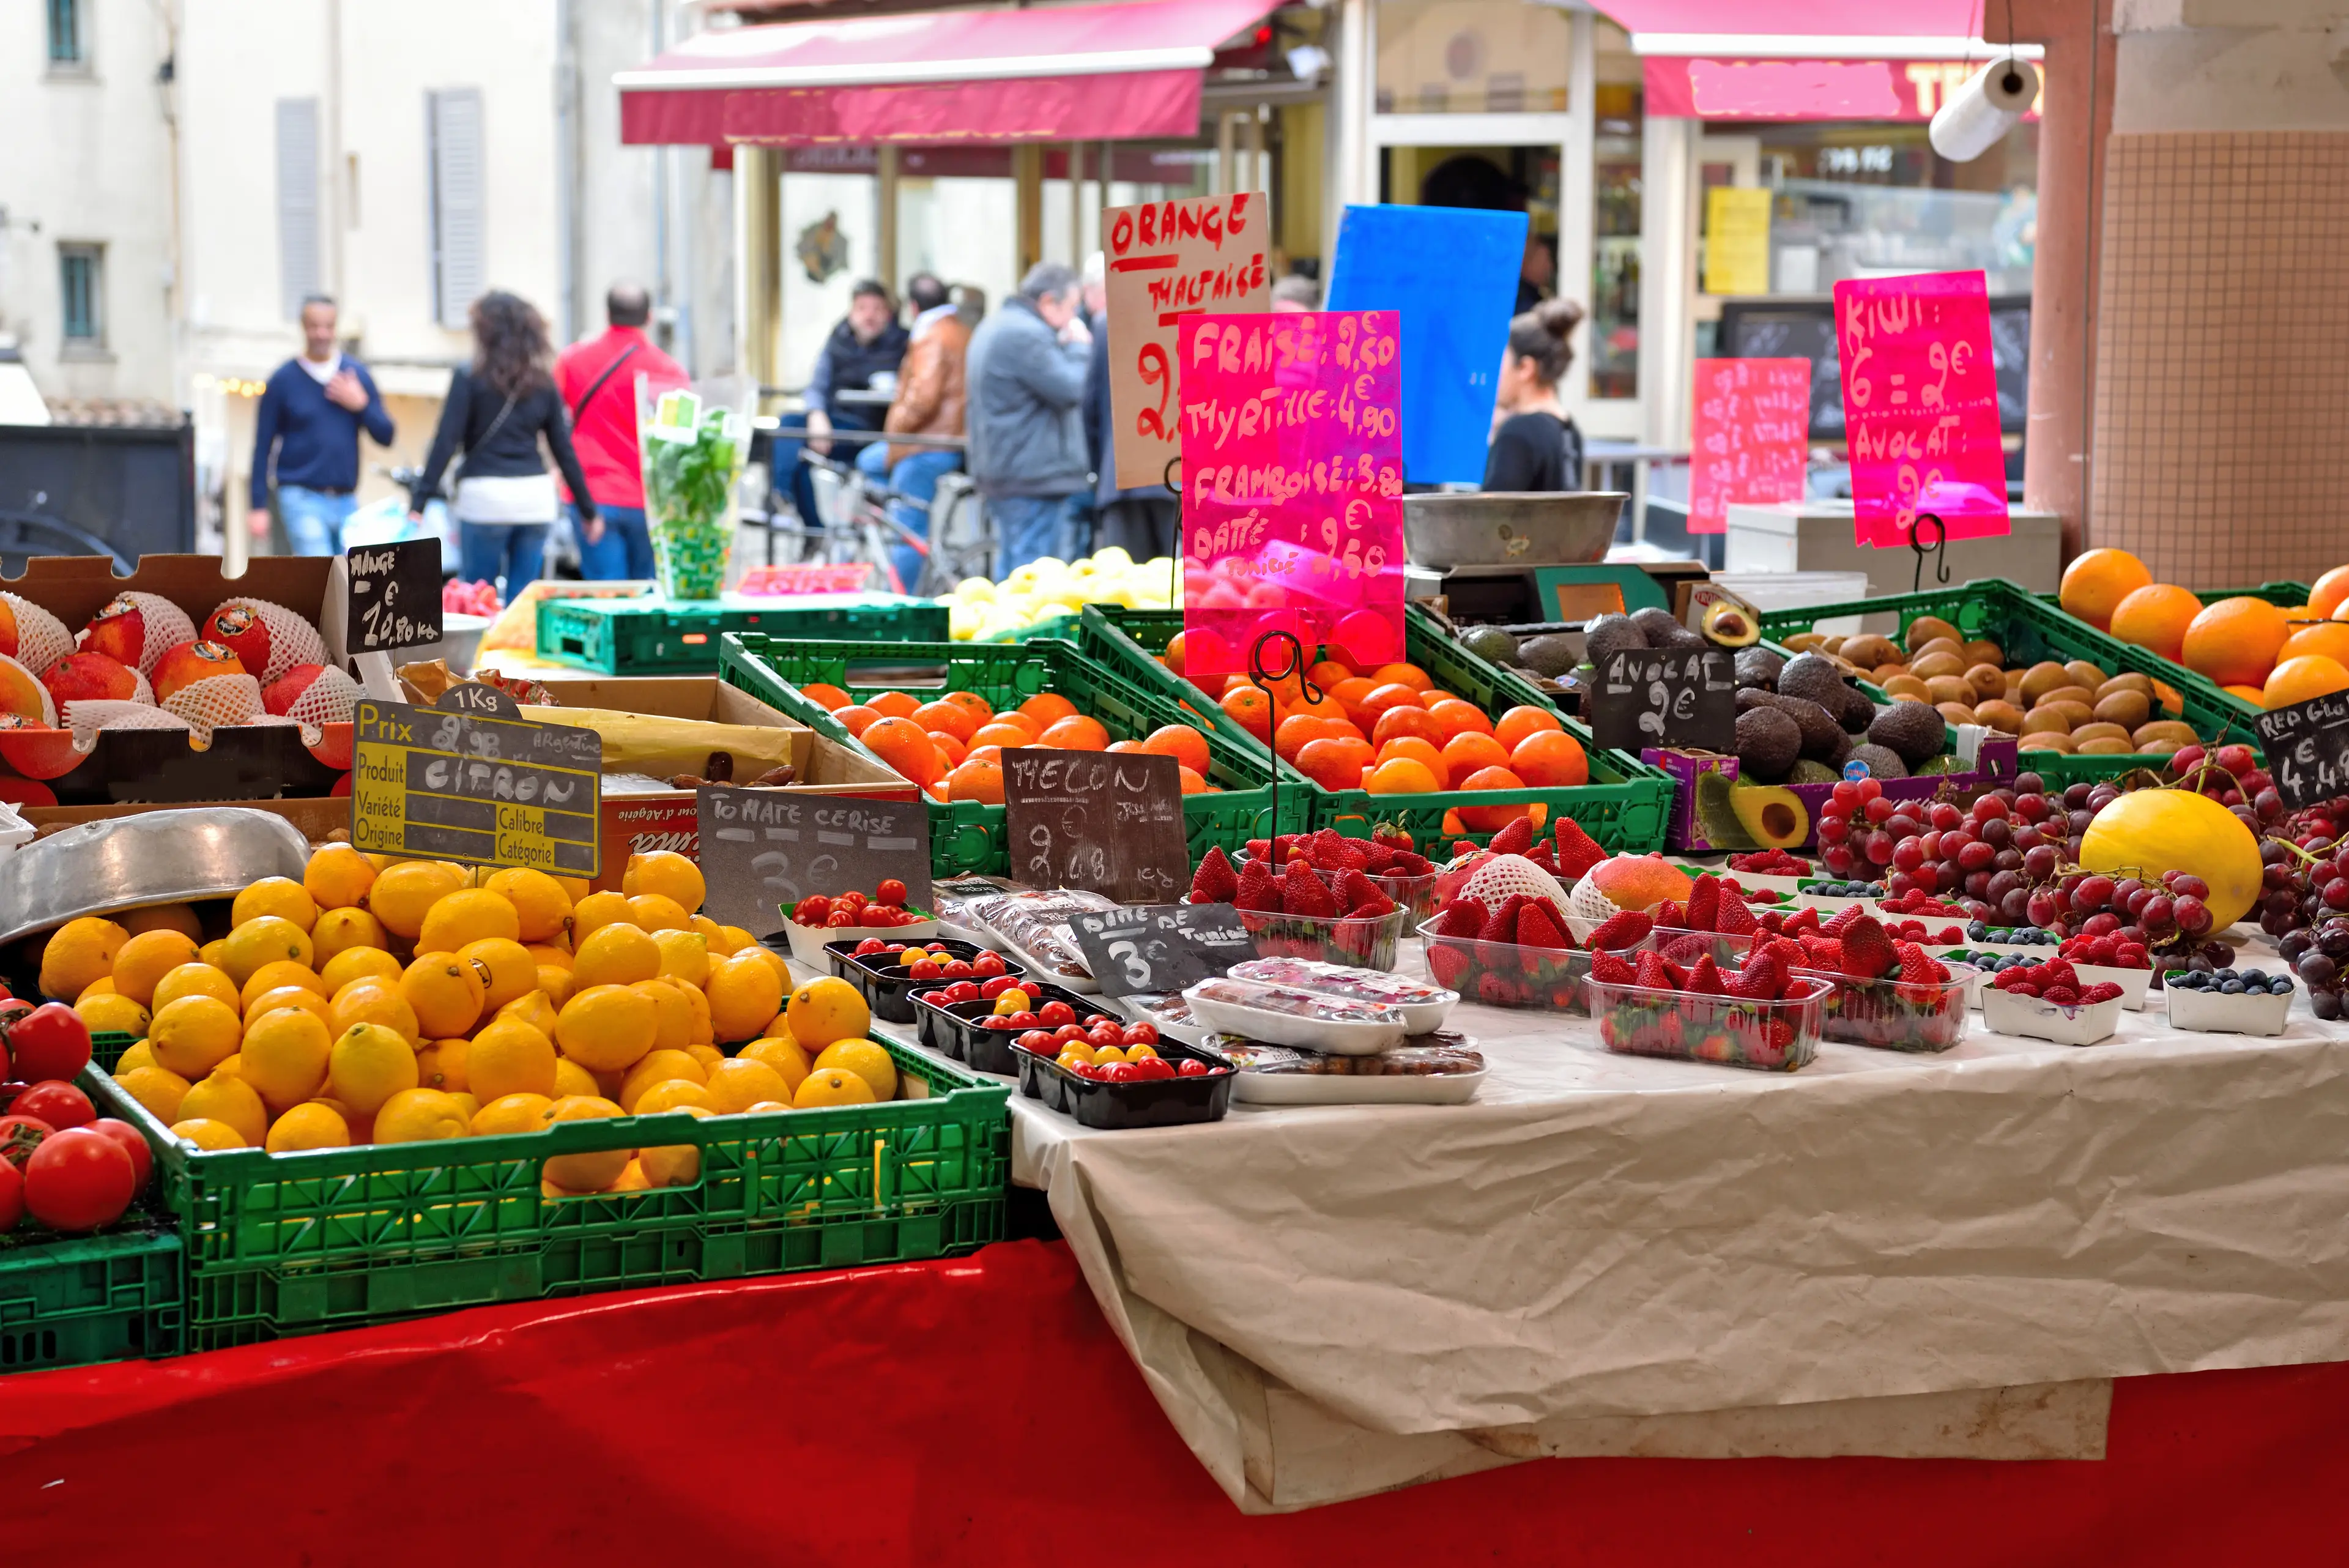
[(858, 525)]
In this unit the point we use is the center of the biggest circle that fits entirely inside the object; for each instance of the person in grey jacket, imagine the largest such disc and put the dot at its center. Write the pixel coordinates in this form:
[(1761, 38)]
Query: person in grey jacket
[(1026, 375)]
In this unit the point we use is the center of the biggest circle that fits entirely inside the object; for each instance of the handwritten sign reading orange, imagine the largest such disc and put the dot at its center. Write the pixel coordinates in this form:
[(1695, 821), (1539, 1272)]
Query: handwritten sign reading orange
[(1168, 260)]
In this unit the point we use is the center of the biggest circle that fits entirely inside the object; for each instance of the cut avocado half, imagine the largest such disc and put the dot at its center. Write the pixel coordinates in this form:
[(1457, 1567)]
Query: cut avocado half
[(1728, 625), (1776, 817), (1718, 820)]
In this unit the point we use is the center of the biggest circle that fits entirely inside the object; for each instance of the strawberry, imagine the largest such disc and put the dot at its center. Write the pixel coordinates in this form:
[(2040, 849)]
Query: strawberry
[(1761, 979), (1354, 890), (1513, 839), (1806, 919), (1650, 973), (1392, 836), (1539, 927), (1501, 925), (1372, 908), (1789, 956), (1215, 882), (1687, 948), (1705, 977), (1462, 849), (1673, 912), (1257, 891), (1303, 893), (1843, 918), (1867, 950), (1406, 864), (1495, 990), (1449, 963), (1611, 970), (1577, 851), (1540, 855), (1461, 918), (1822, 952), (1628, 929), (1703, 904), (1917, 965), (1336, 853), (1677, 973), (1735, 919)]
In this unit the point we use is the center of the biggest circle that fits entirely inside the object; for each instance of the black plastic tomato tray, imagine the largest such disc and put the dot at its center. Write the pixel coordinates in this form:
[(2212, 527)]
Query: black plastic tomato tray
[(1112, 1107), (957, 1029), (887, 986)]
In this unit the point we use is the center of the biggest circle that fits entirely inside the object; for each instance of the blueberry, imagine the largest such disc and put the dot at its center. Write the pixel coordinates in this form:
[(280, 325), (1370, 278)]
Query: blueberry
[(2280, 986), (1978, 930), (2230, 974), (2230, 988)]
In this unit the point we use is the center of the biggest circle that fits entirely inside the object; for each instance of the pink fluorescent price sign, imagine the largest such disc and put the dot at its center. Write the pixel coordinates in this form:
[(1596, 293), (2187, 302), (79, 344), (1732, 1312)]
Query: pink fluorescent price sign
[(1292, 486), (1750, 438), (1921, 405)]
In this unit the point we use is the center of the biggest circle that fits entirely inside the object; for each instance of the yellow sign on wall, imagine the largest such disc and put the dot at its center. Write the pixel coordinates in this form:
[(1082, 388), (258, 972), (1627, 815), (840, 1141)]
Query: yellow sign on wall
[(1737, 240)]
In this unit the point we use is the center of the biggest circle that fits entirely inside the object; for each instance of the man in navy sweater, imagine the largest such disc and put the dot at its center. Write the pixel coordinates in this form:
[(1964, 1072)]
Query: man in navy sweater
[(311, 414)]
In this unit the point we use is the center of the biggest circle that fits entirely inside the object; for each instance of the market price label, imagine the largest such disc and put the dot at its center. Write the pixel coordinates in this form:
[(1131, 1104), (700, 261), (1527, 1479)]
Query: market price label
[(2307, 747), (1161, 948), (1168, 260), (762, 848), (1680, 698), (1106, 821), (393, 598), (1749, 436), (1921, 405), (475, 788)]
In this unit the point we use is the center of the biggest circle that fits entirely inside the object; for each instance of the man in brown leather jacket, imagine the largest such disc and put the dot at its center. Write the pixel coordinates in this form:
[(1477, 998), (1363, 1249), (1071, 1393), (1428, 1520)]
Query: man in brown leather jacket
[(931, 399)]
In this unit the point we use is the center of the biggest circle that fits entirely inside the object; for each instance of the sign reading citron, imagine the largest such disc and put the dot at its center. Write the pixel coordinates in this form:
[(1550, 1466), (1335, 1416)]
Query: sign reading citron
[(826, 1009)]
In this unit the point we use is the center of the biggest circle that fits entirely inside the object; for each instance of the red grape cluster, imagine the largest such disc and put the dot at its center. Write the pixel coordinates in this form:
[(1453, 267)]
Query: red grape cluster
[(2319, 956), (1986, 858), (2233, 778), (2305, 875), (2172, 912)]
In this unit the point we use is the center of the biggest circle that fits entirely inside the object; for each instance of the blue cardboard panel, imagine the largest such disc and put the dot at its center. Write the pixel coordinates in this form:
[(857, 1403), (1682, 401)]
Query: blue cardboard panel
[(1453, 273)]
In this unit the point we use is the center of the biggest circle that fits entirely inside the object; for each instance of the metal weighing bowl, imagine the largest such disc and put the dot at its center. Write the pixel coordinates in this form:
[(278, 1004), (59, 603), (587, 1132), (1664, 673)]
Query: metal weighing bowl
[(153, 857), (1561, 528)]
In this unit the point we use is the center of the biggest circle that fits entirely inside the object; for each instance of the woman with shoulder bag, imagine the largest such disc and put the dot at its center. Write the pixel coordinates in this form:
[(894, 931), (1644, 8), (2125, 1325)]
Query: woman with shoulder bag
[(497, 409)]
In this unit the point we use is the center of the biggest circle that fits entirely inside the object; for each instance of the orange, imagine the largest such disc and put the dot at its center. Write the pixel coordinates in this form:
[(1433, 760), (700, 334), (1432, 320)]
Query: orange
[(1401, 775), (2329, 593), (1328, 672), (1640, 881), (1192, 783), (892, 705), (1491, 819), (2095, 583), (946, 716), (2155, 616), (984, 755), (1000, 734), (832, 698), (1047, 709), (2298, 679), (1296, 731), (949, 746), (1550, 759), (1075, 734), (2235, 642), (1430, 696), (972, 703), (1465, 752), (1398, 722), (2255, 695), (1334, 762), (856, 717), (1348, 695), (1410, 675), (2329, 638), (1325, 707), (1184, 743), (978, 781), (1384, 696), (907, 747), (1251, 710), (1422, 750), (1456, 717), (1173, 657), (1523, 721), (2166, 695)]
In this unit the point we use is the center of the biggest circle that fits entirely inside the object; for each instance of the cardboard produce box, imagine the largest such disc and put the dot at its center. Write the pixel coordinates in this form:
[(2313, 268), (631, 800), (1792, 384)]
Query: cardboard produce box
[(318, 816)]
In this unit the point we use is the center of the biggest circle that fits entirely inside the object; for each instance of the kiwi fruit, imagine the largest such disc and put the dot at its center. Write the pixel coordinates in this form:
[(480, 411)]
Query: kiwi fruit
[(1983, 651), (1804, 642), (1929, 665), (2156, 748), (1957, 712), (2102, 746), (1948, 689), (1987, 680), (2000, 714), (2080, 694), (1829, 643), (2127, 709), (1926, 628), (1884, 672), (2079, 713), (2045, 719), (2094, 731), (2131, 681), (2047, 740), (2084, 673), (1869, 651), (2042, 677), (1938, 645), (1907, 686), (2170, 730)]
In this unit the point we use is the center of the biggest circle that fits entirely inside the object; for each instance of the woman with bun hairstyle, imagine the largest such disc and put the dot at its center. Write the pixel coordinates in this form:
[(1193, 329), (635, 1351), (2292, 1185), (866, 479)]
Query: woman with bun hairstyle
[(1534, 444)]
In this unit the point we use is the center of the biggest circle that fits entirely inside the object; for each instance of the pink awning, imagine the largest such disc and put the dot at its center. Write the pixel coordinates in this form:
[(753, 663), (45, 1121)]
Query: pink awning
[(1058, 74)]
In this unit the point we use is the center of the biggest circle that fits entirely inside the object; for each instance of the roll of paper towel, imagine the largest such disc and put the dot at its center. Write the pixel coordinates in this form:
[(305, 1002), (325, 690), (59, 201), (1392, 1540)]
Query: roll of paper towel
[(1970, 123)]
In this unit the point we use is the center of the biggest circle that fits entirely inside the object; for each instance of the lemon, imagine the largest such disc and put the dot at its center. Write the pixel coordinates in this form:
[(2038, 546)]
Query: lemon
[(473, 915), (195, 1034), (866, 1060), (570, 1078), (826, 1009), (557, 984), (738, 939), (657, 912), (375, 1002), (583, 1172), (606, 1028), (301, 996), (226, 1098), (357, 964), (745, 993), (668, 1094), (340, 930), (697, 1005), (832, 1087), (139, 1054), (783, 1054), (81, 951), (470, 1103), (195, 979), (672, 1014), (158, 1089), (539, 902), (506, 969), (684, 956), (275, 975), (658, 1066), (283, 1056), (510, 1057), (264, 940), (210, 1134), (666, 874), (615, 955), (711, 932), (673, 1165), (534, 1008), (546, 955), (446, 1066), (735, 1086), (279, 897), (310, 1126), (369, 1065), (233, 1064), (420, 1115), (177, 918), (141, 965), (445, 991), (510, 1113), (337, 878), (593, 913), (102, 986), (112, 1015), (406, 891)]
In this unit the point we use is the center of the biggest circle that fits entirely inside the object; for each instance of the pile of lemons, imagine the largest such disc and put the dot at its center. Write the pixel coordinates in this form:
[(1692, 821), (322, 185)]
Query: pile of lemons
[(1045, 588), (380, 1000)]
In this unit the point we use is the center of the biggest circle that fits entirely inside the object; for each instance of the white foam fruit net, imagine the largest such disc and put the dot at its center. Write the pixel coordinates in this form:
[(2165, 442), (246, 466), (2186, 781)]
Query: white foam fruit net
[(329, 700), (1587, 909), (215, 701), (48, 713), (146, 692), (291, 639), (1495, 882), (167, 627), (41, 638), (88, 716)]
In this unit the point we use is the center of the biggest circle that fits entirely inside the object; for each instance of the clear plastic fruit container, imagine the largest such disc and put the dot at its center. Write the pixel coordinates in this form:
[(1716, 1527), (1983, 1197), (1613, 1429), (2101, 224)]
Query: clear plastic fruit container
[(1892, 1014), (1504, 974), (1689, 1026), (1684, 947), (1415, 894), (1368, 942)]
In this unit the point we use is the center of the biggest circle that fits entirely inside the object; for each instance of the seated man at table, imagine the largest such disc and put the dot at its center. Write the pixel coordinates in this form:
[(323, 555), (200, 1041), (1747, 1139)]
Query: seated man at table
[(865, 344), (930, 401)]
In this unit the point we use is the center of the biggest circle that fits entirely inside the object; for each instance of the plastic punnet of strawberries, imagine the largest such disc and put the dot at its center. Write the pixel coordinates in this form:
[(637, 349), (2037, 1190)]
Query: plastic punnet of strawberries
[(1748, 1016), (1297, 914), (1770, 863), (2056, 982), (1888, 993), (1519, 952), (1393, 868)]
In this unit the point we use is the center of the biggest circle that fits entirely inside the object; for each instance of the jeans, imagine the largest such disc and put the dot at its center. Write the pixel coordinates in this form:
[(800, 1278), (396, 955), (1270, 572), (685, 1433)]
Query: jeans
[(314, 519), (1029, 527), (625, 550), (514, 551), (916, 479)]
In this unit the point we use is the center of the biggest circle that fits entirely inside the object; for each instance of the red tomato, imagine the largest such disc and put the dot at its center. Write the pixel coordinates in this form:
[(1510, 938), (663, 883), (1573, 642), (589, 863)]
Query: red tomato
[(924, 969), (142, 1158), (1064, 1031), (58, 1104), (891, 891), (987, 965), (841, 920), (1096, 1019), (812, 910), (19, 1136), (958, 969), (1104, 1034), (1142, 1035), (1055, 1014), (51, 1041), (1151, 1067), (852, 900), (1191, 1067), (870, 945), (11, 1196), (1024, 1021), (1036, 1040), (996, 986), (79, 1180)]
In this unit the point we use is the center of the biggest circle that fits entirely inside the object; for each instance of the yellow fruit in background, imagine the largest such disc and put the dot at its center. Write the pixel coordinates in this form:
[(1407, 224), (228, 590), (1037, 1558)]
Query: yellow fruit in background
[(505, 969), (209, 1135), (672, 1014), (102, 986), (446, 993), (546, 955), (420, 1115), (577, 886), (158, 1089), (473, 915), (195, 979), (2296, 679), (654, 912), (538, 900), (510, 1113), (375, 1002), (177, 918), (783, 1054), (227, 1098), (283, 1056), (357, 963), (276, 975), (304, 1127), (738, 939), (745, 993), (112, 1014), (615, 955), (832, 1087), (593, 913), (281, 896), (445, 1064), (570, 1078), (343, 930), (556, 983), (608, 1028), (337, 878), (195, 1034), (510, 1057), (264, 940), (668, 1094), (826, 1009), (658, 1066), (369, 1065), (136, 1056), (583, 1172), (406, 892), (684, 955), (631, 1178), (535, 1009), (673, 1165), (81, 951), (666, 874), (735, 1086), (212, 953), (866, 1060), (301, 996), (2149, 831), (141, 963)]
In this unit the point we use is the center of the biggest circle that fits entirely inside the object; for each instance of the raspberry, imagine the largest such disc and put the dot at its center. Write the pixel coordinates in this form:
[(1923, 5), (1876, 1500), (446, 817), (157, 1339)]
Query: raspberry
[(2103, 990), (2061, 995)]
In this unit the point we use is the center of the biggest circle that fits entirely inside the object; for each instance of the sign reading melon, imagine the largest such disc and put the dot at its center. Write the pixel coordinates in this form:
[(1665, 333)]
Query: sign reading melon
[(1168, 260), (1921, 405)]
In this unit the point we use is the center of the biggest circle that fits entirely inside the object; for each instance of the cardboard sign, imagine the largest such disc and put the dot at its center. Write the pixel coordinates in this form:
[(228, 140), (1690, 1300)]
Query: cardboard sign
[(1452, 275), (760, 849), (1676, 697), (394, 598), (1168, 260), (1162, 948), (2307, 746), (1737, 240), (1292, 486), (475, 788), (1106, 821), (1749, 437), (1921, 405)]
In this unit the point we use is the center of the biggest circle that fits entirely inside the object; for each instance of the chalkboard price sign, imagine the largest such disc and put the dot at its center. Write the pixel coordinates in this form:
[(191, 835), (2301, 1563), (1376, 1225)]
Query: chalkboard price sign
[(1106, 821), (762, 849), (1162, 948), (476, 788), (2308, 749), (1673, 697), (394, 598)]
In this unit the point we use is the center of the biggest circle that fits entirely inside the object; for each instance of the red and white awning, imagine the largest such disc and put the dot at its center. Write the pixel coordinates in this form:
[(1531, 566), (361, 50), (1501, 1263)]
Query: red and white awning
[(1050, 74)]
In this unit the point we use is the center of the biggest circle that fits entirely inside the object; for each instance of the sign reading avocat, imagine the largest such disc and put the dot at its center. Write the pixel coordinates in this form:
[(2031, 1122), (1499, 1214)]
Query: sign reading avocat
[(475, 788)]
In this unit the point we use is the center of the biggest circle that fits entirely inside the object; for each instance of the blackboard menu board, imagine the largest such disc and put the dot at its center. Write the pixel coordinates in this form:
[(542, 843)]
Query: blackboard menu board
[(1106, 821), (475, 788), (2307, 746), (1679, 697), (1160, 947), (394, 596), (762, 849)]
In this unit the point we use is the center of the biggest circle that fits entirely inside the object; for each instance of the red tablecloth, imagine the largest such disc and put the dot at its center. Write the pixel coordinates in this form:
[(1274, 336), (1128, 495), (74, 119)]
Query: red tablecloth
[(977, 1411)]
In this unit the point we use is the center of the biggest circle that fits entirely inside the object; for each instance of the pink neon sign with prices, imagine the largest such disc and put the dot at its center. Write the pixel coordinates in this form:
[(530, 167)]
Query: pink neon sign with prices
[(1750, 438), (1292, 486), (1921, 405)]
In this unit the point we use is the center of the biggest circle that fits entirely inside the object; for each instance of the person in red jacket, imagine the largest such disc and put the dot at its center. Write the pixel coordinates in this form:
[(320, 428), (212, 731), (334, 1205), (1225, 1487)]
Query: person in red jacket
[(598, 380)]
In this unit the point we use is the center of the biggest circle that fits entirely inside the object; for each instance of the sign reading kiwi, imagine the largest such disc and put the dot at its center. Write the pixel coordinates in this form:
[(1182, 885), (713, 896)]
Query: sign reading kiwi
[(2307, 746), (1683, 698)]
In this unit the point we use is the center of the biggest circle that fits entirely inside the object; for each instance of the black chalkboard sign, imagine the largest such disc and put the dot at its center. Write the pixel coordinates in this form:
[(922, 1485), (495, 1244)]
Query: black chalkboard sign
[(394, 596), (2308, 749), (762, 848), (1682, 697), (475, 788), (1106, 821), (1160, 947)]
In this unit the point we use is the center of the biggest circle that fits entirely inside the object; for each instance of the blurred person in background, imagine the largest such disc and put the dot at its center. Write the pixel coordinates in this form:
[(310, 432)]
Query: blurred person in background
[(1296, 291), (932, 396), (311, 413), (498, 410), (596, 378), (1534, 444), (1140, 521), (865, 344), (1027, 373)]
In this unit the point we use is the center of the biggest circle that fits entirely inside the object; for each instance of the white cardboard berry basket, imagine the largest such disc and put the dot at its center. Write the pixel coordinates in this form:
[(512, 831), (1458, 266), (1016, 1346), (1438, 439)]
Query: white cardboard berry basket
[(2004, 1013)]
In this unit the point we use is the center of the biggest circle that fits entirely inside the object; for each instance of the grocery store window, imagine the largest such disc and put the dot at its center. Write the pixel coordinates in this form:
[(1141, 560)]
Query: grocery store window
[(1616, 195), (81, 289), (68, 42)]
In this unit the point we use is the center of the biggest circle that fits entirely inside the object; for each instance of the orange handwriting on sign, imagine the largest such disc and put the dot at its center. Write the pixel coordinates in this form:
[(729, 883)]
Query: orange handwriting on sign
[(1152, 366)]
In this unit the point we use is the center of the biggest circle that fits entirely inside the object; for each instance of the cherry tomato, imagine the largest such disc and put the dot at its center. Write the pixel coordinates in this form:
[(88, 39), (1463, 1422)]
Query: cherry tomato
[(989, 964), (961, 990), (892, 947), (1117, 1073), (956, 969), (924, 969), (996, 985), (1142, 1035), (19, 1136), (1036, 1040), (871, 945), (1096, 1019), (996, 1024), (852, 900), (1105, 1035), (841, 921), (79, 1180), (51, 1041), (1148, 1069), (1024, 1020), (1065, 1031), (890, 891), (1057, 1014), (1191, 1067), (142, 1158), (812, 911), (58, 1104), (11, 1196)]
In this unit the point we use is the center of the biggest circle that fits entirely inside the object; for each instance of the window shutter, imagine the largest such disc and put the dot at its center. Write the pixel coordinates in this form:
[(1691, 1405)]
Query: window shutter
[(454, 131), (298, 270)]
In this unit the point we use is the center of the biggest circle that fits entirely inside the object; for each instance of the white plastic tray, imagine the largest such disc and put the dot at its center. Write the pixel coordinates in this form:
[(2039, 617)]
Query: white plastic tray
[(807, 941), (1138, 1010), (1418, 1017), (1331, 1036), (2003, 1012), (1343, 1089), (2214, 1013), (2133, 982)]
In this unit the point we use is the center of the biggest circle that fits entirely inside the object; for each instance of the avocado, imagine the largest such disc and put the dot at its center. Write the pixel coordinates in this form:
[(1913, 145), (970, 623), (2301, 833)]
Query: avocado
[(1913, 729), (1758, 667), (1768, 741), (1881, 764), (1716, 817), (1822, 735), (1814, 678), (1491, 644), (1812, 771), (1775, 816), (1662, 631), (1858, 712), (1553, 654), (1728, 625), (1947, 763), (1609, 635)]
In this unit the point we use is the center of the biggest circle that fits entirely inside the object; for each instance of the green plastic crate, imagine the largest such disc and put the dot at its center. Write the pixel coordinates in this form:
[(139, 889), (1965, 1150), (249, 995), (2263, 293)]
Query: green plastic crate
[(965, 836), (1626, 806), (655, 636), (286, 1244), (2275, 593), (77, 1300)]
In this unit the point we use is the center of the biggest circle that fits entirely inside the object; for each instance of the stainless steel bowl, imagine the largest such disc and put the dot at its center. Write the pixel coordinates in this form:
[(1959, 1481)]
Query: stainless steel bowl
[(153, 857), (1562, 528)]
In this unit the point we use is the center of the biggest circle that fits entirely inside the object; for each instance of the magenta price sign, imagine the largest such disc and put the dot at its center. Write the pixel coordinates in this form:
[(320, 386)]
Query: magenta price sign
[(1292, 486), (1921, 405), (1749, 439)]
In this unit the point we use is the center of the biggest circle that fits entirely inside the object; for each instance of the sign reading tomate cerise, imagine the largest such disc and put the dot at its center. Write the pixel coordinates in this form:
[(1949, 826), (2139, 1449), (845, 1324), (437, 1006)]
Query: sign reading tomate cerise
[(1921, 405), (1168, 260), (1292, 486)]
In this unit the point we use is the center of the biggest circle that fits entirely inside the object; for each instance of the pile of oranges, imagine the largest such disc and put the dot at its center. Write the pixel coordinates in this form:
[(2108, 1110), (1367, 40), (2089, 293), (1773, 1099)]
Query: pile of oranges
[(2268, 655), (952, 744), (1392, 731)]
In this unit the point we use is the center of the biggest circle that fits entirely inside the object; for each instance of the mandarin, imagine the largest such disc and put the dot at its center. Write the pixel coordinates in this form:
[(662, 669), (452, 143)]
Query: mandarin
[(1047, 709), (1401, 775), (2329, 593), (1328, 672), (893, 704), (1491, 819), (1192, 784), (1465, 752), (1297, 731), (1251, 710), (1522, 721), (2097, 581), (2298, 679), (1335, 761), (856, 717), (1421, 751), (1348, 695), (947, 716), (950, 747), (1184, 745), (2155, 616), (1550, 759), (980, 780), (905, 746), (998, 735), (1075, 734), (1398, 722), (1410, 675), (2235, 642), (1454, 717), (1385, 696), (832, 698), (2329, 638), (980, 709)]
